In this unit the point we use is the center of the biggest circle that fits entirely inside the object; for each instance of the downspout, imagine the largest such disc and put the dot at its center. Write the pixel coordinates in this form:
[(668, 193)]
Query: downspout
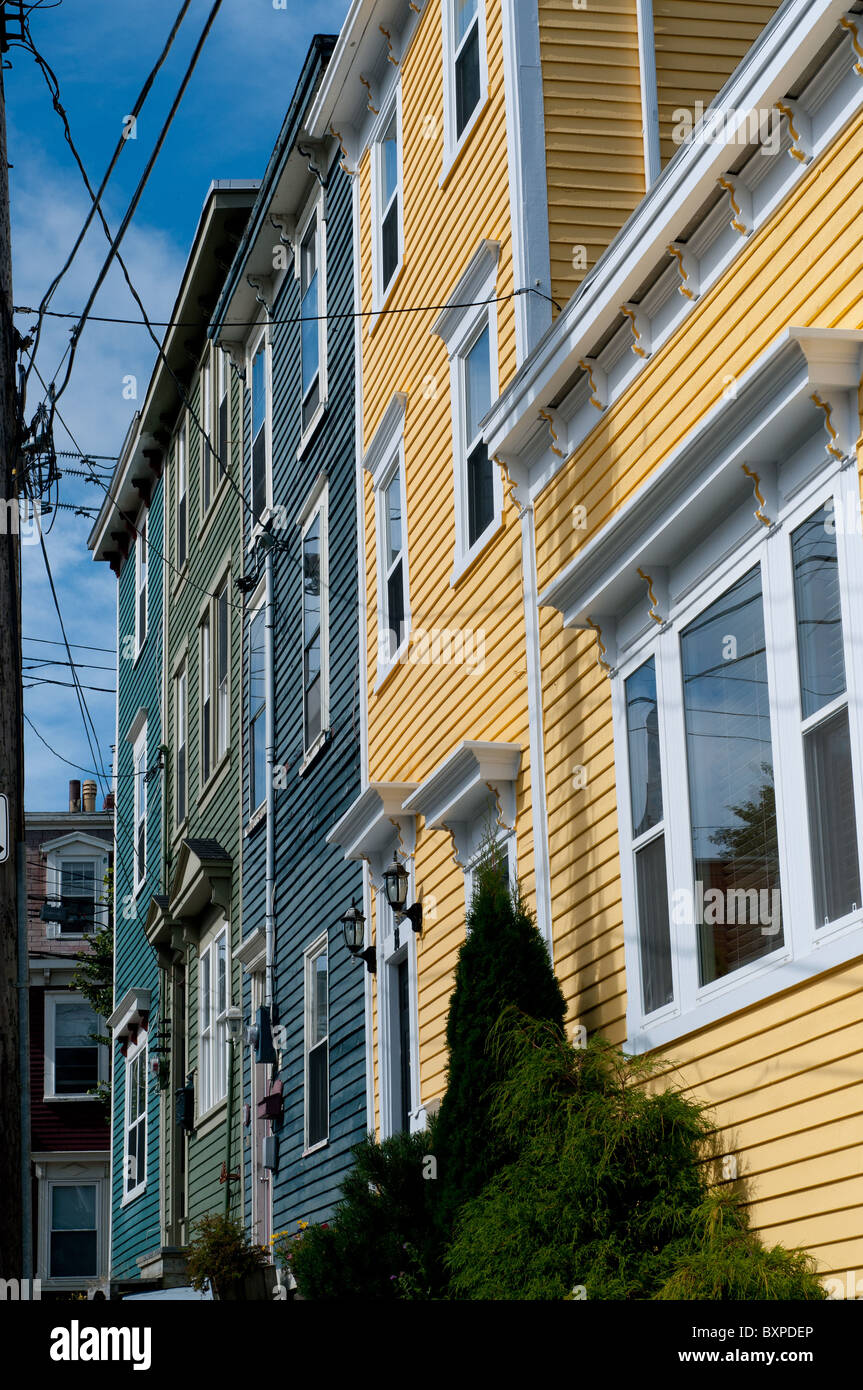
[(269, 720), (163, 758), (649, 97), (24, 1065), (228, 1116)]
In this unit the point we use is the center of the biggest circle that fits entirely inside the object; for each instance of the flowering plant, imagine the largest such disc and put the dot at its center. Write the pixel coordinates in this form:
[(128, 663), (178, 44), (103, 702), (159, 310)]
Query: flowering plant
[(286, 1243)]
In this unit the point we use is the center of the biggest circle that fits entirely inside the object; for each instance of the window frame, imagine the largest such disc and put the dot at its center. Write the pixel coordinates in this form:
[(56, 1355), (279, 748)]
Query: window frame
[(316, 507), (205, 697), (50, 1095), (213, 1075), (395, 464), (314, 211), (222, 397), (142, 572), (181, 739), (319, 946), (454, 142), (392, 112), (206, 414), (257, 609), (136, 1057), (181, 466), (260, 339), (466, 551), (57, 1176), (139, 768), (803, 948)]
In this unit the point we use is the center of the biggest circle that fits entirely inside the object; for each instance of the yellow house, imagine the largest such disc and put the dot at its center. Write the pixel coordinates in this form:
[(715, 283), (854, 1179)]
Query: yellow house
[(687, 437), (524, 576)]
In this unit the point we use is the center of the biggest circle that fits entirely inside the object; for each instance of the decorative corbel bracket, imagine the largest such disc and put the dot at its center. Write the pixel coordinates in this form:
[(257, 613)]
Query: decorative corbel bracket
[(371, 99), (597, 380), (799, 128), (515, 483), (640, 325), (237, 358), (392, 56), (688, 269), (286, 225), (764, 490), (740, 199), (559, 431), (263, 287), (841, 422), (342, 140), (656, 579), (315, 152), (605, 629), (851, 23)]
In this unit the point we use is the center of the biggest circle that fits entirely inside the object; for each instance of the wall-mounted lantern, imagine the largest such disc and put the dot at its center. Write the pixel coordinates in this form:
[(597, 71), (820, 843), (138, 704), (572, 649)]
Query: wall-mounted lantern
[(396, 882), (354, 928)]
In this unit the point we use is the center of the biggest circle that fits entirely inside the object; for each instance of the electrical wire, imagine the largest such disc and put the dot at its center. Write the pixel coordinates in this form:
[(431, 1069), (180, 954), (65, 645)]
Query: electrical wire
[(52, 642)]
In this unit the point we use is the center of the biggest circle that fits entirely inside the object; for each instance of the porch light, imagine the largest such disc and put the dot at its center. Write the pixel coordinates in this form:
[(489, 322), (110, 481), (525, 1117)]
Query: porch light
[(396, 882), (354, 928), (234, 1021)]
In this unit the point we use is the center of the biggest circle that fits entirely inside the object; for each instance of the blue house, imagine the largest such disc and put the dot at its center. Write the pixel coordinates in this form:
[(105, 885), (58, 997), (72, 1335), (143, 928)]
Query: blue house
[(128, 534), (286, 319)]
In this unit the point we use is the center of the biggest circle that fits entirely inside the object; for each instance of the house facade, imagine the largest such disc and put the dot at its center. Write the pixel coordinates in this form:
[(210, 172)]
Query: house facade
[(69, 855), (305, 1083)]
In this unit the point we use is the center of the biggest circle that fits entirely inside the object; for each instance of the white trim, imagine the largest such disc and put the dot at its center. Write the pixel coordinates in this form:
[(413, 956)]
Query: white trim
[(318, 947), (317, 505), (389, 956), (649, 96), (256, 339), (66, 850), (142, 577), (476, 780), (133, 1057), (391, 112), (139, 814), (257, 606), (134, 1003), (71, 1170), (52, 999), (526, 160), (387, 655), (209, 1074), (453, 143), (315, 208), (536, 728)]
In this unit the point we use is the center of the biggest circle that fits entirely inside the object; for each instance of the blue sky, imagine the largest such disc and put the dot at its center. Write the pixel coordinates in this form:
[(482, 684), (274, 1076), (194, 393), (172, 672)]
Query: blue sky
[(101, 51)]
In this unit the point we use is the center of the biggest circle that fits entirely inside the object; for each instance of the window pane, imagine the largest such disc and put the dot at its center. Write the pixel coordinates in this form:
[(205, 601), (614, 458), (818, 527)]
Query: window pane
[(319, 999), (819, 614), (653, 930), (394, 518), (181, 532), (259, 473), (222, 444), (258, 756), (731, 795), (832, 819), (317, 1097), (642, 722), (389, 164), (73, 1208), (259, 390), (206, 996), (222, 635), (222, 976), (480, 492), (477, 384), (464, 13), (390, 243), (396, 606), (313, 711), (404, 1036), (310, 331), (312, 579), (467, 80)]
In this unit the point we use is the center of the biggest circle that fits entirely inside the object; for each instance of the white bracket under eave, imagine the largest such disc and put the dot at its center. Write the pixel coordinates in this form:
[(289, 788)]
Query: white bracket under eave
[(597, 379), (852, 23), (639, 322), (688, 269), (799, 128), (740, 198), (558, 430), (516, 482), (656, 579), (834, 360), (604, 628)]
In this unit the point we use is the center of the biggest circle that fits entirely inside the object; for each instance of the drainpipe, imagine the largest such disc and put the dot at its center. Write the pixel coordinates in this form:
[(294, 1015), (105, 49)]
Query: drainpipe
[(24, 1067), (163, 759), (228, 1120), (270, 883)]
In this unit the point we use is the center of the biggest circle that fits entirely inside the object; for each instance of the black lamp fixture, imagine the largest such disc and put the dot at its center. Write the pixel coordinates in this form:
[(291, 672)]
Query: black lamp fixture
[(354, 927), (396, 880)]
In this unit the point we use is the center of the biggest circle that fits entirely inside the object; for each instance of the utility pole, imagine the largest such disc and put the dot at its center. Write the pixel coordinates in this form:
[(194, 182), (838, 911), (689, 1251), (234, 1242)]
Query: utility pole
[(11, 746)]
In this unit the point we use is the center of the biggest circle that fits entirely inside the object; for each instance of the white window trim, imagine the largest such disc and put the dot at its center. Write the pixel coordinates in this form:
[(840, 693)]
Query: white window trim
[(139, 754), (395, 465), (71, 847), (206, 416), (808, 950), (133, 1051), (505, 840), (181, 451), (181, 672), (204, 1091), (65, 1173), (262, 334), (52, 998), (459, 328), (453, 145), (223, 585), (320, 944), (389, 957), (381, 292), (142, 561), (315, 207), (317, 505), (254, 814)]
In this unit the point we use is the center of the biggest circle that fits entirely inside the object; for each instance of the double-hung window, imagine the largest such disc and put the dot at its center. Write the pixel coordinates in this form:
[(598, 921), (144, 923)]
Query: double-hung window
[(465, 71), (221, 669), (257, 707), (206, 435), (181, 715), (392, 542), (260, 429), (388, 239), (478, 469), (214, 991), (206, 698), (314, 620), (135, 1146), (223, 412), (78, 896), (313, 336), (73, 1234), (141, 558), (182, 497), (74, 1060), (139, 766), (317, 1044)]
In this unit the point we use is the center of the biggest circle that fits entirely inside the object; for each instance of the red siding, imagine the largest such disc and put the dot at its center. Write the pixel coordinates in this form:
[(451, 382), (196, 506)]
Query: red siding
[(69, 1124)]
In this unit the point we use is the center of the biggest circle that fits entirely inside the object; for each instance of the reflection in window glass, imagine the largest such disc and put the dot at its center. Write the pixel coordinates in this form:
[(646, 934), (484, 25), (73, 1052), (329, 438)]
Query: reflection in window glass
[(730, 764)]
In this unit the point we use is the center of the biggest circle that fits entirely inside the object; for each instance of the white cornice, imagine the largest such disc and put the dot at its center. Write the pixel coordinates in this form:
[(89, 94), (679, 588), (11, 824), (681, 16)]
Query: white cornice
[(476, 282), (386, 436), (460, 786), (373, 820)]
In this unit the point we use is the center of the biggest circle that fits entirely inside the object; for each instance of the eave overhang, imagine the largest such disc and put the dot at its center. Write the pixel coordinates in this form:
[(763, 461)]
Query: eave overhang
[(370, 824), (477, 777)]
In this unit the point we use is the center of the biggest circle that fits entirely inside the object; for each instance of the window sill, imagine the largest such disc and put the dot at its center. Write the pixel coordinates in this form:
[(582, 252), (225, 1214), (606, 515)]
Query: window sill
[(131, 1197), (311, 427), (315, 1148), (259, 526), (73, 1100), (320, 743), (452, 153), (206, 791), (467, 561), (211, 1119), (256, 819), (386, 670), (180, 830), (180, 577), (378, 304)]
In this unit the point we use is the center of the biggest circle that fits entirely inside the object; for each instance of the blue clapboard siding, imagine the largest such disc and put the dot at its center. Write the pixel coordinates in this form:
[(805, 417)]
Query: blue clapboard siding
[(135, 1226), (314, 884)]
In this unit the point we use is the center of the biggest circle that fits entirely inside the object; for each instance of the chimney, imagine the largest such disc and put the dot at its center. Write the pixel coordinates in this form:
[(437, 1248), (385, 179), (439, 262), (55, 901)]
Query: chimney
[(89, 796), (108, 803), (74, 796)]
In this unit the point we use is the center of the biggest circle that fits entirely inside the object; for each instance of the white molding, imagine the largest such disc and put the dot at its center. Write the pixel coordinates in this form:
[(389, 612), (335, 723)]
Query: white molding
[(476, 282), (386, 437), (477, 779), (317, 505), (536, 726), (320, 944), (392, 110), (252, 952), (137, 724), (134, 1003), (649, 97), (453, 144), (375, 824), (66, 996), (526, 160)]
